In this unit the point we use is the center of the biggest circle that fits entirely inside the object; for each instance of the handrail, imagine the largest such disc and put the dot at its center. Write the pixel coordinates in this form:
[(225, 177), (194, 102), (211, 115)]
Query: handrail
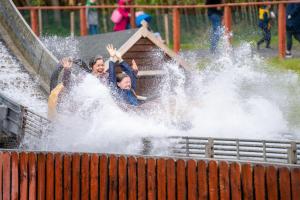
[(157, 6)]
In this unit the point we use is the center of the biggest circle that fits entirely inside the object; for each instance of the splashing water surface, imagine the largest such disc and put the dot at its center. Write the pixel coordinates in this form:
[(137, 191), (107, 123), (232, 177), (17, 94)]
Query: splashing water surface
[(236, 95)]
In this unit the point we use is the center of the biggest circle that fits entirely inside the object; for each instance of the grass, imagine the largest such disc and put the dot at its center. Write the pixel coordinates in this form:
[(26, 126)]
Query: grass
[(285, 64)]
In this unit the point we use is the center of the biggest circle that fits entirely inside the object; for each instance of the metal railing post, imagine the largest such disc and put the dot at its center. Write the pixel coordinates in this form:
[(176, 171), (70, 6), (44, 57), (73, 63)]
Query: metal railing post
[(176, 30), (83, 22), (281, 30), (132, 18), (187, 146), (209, 148), (227, 21), (292, 153), (34, 21)]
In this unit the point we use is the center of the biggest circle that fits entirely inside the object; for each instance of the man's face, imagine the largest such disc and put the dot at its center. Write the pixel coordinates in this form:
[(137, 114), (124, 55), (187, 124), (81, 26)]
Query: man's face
[(98, 68), (125, 84)]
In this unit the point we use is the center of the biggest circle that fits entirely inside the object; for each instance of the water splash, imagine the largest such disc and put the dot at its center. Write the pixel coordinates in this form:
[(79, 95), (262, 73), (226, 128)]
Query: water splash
[(235, 95), (17, 84)]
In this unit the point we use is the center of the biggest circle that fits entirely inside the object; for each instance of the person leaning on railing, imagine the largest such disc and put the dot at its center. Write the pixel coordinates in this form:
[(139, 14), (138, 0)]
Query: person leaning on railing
[(292, 26)]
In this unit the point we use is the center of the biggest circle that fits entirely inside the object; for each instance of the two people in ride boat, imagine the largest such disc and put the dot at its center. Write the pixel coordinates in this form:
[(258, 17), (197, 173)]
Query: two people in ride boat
[(123, 85)]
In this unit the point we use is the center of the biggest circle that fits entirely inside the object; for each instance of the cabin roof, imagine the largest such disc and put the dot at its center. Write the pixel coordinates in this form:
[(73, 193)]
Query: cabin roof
[(90, 46)]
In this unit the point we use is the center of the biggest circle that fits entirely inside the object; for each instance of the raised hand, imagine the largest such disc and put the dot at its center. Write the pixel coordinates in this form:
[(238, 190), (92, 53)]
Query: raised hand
[(134, 66), (111, 50), (66, 63)]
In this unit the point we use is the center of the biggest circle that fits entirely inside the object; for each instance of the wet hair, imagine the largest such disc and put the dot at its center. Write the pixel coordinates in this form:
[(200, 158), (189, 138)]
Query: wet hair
[(121, 76), (81, 64), (94, 60)]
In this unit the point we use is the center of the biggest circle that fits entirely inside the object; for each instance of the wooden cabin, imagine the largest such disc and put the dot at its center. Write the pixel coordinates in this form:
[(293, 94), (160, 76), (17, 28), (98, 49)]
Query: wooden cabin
[(142, 45)]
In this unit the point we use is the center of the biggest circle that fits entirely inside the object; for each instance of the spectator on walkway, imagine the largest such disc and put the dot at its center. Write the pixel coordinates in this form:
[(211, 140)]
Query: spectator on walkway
[(292, 26), (265, 25), (92, 17), (215, 17), (121, 16)]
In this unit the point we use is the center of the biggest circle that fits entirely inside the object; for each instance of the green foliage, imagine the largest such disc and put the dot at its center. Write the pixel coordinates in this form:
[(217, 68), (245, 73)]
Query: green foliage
[(37, 2)]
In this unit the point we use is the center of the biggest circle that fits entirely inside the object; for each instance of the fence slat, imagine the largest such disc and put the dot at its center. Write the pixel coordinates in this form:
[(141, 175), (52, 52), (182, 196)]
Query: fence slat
[(161, 179), (14, 175), (103, 177), (202, 180), (151, 179), (141, 170), (247, 182), (94, 177), (113, 179), (122, 165), (235, 181), (295, 178), (284, 183), (132, 190), (76, 176), (6, 176), (32, 175), (259, 182), (213, 180), (272, 186), (192, 180), (50, 177), (23, 176), (58, 177), (85, 175), (41, 176), (224, 180), (67, 177), (181, 180), (171, 179)]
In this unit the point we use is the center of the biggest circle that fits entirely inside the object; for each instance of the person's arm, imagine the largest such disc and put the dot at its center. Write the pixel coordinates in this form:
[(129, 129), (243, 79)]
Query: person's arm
[(54, 76), (66, 79), (112, 79), (123, 12)]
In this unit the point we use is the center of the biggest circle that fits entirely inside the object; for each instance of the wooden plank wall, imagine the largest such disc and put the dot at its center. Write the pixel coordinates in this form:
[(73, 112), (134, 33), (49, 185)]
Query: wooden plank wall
[(148, 57), (93, 176)]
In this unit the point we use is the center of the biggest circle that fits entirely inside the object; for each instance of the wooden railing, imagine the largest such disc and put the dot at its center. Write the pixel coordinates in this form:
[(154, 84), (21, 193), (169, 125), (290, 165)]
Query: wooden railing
[(33, 175), (176, 17)]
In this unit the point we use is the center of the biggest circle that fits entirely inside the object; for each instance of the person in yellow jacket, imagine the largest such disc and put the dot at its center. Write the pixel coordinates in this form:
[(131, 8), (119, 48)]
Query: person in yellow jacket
[(59, 91), (264, 24)]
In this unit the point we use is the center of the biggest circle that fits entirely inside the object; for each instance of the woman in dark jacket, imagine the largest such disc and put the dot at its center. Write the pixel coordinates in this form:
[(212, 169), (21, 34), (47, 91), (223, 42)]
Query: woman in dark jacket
[(124, 84)]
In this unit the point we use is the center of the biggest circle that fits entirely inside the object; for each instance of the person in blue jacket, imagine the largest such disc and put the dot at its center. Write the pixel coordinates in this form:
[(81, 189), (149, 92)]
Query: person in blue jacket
[(292, 26), (124, 84)]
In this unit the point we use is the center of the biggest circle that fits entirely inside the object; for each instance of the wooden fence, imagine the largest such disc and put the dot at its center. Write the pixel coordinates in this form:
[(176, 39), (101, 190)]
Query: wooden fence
[(93, 176)]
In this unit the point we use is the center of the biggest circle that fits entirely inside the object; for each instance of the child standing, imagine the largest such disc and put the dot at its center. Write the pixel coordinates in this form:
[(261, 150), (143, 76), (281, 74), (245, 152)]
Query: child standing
[(265, 25)]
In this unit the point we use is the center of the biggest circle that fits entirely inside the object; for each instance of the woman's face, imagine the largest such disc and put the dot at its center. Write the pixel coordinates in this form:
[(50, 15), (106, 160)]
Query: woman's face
[(125, 83), (98, 68)]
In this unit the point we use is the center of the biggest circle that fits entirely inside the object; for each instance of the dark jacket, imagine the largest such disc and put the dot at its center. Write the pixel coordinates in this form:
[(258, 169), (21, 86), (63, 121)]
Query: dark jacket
[(211, 11), (293, 23), (264, 18), (126, 96)]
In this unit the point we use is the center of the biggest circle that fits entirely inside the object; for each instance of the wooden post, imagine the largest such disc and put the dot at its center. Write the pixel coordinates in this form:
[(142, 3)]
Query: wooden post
[(72, 19), (40, 20), (166, 22), (281, 30), (34, 21), (132, 18), (83, 23), (227, 21), (176, 30)]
